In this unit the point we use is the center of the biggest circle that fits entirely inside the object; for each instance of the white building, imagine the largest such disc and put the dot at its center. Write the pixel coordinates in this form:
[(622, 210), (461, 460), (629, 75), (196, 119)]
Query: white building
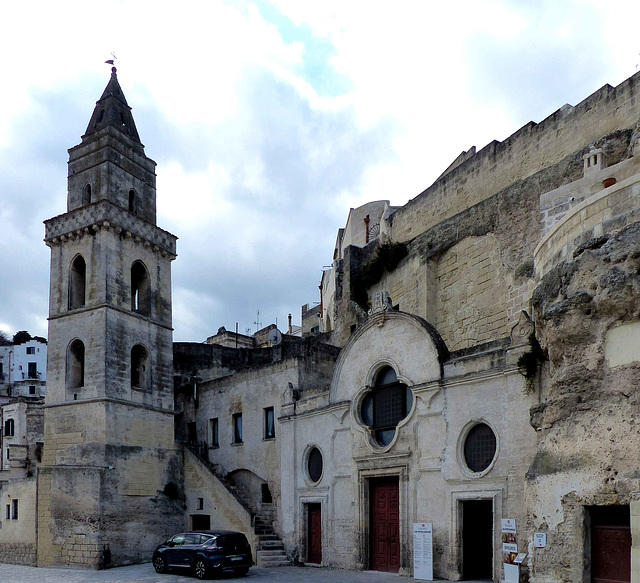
[(23, 369)]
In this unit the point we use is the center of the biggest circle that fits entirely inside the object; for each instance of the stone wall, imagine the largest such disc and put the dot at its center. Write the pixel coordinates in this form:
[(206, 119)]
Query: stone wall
[(471, 294), (18, 553)]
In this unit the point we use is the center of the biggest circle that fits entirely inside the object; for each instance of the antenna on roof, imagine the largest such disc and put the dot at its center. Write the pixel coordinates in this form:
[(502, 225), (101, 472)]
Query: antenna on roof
[(258, 323)]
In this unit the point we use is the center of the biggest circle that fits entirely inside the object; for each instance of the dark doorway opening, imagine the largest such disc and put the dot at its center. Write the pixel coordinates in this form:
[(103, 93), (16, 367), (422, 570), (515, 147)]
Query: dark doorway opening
[(314, 533), (193, 432), (477, 539), (200, 522), (610, 544), (384, 517)]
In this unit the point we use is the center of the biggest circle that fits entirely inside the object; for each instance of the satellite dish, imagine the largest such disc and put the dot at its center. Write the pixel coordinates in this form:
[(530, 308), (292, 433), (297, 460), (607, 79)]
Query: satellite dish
[(275, 337)]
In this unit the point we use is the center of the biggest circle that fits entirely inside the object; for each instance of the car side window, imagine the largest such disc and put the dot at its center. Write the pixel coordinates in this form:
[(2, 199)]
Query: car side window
[(192, 539), (177, 540)]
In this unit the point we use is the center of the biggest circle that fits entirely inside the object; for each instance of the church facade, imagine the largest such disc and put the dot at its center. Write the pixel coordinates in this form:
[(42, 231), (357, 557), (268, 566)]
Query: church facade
[(472, 364)]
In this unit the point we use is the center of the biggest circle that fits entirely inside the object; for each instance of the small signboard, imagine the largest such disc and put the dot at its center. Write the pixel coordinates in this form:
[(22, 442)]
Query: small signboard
[(540, 539), (423, 551), (509, 525), (512, 573), (520, 558)]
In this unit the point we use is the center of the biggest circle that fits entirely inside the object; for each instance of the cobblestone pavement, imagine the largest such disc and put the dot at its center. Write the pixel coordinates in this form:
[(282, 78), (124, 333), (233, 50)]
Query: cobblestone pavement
[(145, 574)]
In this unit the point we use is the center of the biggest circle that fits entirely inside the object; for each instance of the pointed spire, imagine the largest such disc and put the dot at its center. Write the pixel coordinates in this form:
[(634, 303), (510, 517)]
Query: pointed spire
[(112, 110)]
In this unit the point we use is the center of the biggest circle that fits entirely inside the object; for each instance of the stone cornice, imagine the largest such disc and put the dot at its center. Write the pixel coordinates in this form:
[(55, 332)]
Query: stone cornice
[(104, 215), (111, 400)]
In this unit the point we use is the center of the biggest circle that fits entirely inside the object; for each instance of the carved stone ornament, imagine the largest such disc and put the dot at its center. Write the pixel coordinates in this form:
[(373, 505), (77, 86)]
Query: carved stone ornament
[(380, 302)]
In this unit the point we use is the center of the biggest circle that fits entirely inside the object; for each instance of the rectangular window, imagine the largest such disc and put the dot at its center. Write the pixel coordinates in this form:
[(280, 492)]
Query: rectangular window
[(31, 349), (32, 389), (213, 428), (14, 510), (269, 423), (9, 427), (8, 511), (200, 503), (33, 370), (237, 428)]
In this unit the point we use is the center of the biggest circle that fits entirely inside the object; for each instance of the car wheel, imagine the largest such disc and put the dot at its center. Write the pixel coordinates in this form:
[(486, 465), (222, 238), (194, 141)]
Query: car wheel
[(159, 565), (200, 569), (242, 571)]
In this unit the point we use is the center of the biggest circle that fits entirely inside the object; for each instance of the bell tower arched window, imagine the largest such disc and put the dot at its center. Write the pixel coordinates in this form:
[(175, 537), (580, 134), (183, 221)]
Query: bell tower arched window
[(140, 367), (86, 197), (75, 365), (133, 202), (77, 283), (388, 403), (140, 289)]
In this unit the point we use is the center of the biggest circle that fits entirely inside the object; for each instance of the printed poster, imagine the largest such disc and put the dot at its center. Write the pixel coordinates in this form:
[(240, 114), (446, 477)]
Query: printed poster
[(423, 551)]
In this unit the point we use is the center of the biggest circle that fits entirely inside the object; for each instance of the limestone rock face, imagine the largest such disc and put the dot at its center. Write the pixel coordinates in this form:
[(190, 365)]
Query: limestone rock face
[(589, 437)]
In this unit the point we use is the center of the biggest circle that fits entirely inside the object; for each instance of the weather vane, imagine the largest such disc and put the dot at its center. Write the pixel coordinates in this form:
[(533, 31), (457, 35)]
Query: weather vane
[(111, 61)]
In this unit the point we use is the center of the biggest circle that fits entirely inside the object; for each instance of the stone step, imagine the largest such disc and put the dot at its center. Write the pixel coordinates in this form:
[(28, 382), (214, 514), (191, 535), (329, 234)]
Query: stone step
[(268, 537), (272, 560), (274, 547), (271, 553)]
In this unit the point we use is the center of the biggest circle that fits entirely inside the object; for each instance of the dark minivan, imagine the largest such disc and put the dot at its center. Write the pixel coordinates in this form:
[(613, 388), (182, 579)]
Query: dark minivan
[(205, 552)]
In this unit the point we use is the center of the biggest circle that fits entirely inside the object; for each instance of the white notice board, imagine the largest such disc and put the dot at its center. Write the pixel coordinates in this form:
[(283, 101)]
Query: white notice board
[(423, 551)]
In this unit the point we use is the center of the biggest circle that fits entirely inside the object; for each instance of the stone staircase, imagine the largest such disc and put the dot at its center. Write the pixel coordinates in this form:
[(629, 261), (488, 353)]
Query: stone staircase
[(270, 549), (270, 552)]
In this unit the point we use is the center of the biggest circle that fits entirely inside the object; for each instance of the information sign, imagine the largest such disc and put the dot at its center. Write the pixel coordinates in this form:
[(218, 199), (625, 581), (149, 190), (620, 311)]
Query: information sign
[(423, 551), (540, 539)]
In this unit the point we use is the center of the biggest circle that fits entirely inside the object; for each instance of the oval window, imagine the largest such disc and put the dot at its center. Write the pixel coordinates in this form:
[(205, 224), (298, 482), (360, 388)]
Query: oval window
[(314, 465), (479, 447)]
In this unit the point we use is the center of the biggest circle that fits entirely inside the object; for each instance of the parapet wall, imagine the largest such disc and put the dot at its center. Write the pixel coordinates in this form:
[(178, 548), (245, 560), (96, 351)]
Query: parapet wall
[(529, 150)]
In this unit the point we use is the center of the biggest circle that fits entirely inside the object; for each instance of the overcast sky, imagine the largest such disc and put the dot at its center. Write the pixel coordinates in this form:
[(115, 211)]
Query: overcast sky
[(270, 119)]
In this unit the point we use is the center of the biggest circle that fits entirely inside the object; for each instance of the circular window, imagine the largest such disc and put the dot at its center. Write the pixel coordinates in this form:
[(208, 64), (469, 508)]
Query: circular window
[(479, 447), (314, 465), (385, 405)]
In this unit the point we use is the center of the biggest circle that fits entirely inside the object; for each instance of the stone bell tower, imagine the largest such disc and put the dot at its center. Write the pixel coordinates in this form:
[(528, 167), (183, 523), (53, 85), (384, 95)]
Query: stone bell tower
[(110, 472)]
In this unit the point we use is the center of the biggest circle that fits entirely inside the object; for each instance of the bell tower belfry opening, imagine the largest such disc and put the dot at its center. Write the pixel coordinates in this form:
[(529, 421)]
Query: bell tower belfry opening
[(109, 449)]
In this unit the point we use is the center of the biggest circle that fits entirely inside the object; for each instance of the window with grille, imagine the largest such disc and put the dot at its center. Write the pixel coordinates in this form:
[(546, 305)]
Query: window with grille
[(479, 447), (388, 403)]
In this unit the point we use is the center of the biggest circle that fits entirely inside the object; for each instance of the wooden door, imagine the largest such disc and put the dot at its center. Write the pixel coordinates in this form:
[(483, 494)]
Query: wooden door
[(384, 524), (610, 554), (314, 538)]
